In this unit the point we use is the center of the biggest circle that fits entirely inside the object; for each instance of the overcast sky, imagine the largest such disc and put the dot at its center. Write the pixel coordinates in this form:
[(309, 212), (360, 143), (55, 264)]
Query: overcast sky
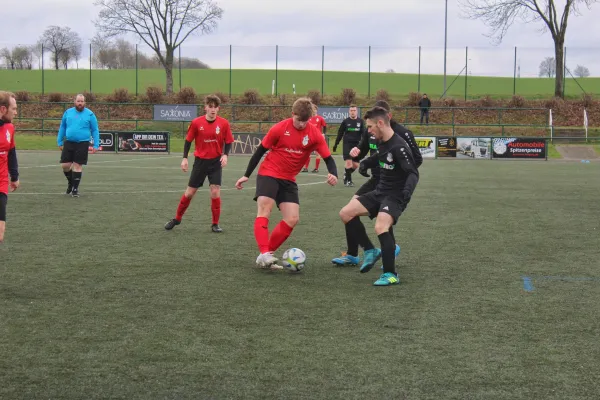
[(394, 28)]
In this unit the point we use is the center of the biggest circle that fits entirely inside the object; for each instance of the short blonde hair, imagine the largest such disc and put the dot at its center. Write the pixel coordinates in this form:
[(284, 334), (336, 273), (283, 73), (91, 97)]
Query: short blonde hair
[(5, 98), (303, 108)]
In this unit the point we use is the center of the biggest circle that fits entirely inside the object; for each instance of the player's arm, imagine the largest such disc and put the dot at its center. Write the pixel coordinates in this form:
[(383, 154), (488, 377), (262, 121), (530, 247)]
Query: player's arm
[(62, 131), (189, 138), (13, 163), (407, 163), (95, 131), (363, 145), (325, 154), (414, 147), (340, 134), (267, 143), (228, 140)]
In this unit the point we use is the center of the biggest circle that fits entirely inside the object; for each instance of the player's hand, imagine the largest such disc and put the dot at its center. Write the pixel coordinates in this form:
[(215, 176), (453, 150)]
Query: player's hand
[(332, 179), (362, 169), (354, 152), (60, 148), (224, 160), (184, 165), (240, 182), (334, 148), (14, 185), (94, 150)]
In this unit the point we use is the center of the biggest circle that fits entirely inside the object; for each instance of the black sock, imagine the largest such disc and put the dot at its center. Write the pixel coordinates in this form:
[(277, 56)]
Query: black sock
[(357, 230), (391, 230), (352, 244), (69, 176), (76, 179), (348, 174), (387, 252)]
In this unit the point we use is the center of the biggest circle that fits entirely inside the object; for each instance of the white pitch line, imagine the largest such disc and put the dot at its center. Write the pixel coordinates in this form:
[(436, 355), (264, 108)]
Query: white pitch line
[(100, 162), (144, 191), (177, 168)]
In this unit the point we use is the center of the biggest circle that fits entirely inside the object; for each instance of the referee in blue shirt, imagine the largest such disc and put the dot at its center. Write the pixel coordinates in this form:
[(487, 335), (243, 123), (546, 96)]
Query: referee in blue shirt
[(78, 125)]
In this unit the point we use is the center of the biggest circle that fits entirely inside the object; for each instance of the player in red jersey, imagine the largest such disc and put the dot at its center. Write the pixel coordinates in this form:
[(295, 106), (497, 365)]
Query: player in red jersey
[(8, 154), (321, 125), (289, 143), (212, 139)]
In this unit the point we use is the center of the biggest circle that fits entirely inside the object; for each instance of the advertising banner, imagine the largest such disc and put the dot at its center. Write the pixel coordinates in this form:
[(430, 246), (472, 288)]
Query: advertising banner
[(519, 148), (473, 147), (426, 146), (446, 147), (107, 142), (143, 142), (335, 115), (244, 143), (175, 112)]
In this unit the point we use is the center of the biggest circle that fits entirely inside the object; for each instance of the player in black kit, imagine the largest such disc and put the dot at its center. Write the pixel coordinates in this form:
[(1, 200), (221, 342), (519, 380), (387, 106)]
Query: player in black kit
[(368, 145), (398, 179), (351, 130)]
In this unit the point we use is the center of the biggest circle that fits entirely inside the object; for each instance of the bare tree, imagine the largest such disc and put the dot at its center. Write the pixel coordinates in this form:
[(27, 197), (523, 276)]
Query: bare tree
[(499, 15), (548, 67), (162, 24), (61, 41), (581, 71), (22, 57), (7, 54), (36, 51)]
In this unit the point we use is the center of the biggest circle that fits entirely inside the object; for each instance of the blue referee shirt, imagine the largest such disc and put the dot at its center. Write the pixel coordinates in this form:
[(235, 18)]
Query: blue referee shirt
[(79, 126)]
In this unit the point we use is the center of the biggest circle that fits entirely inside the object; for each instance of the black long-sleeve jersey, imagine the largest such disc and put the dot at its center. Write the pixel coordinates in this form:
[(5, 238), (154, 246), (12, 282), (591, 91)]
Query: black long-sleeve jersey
[(351, 130), (368, 145), (398, 172)]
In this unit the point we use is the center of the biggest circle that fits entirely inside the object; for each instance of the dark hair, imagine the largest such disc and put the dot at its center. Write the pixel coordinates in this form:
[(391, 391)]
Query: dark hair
[(378, 113), (383, 104), (303, 108), (212, 100)]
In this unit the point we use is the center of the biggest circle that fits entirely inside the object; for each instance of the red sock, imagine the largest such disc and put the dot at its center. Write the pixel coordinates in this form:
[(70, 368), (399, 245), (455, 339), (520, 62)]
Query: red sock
[(307, 163), (215, 206), (279, 235), (183, 205), (318, 162), (261, 233)]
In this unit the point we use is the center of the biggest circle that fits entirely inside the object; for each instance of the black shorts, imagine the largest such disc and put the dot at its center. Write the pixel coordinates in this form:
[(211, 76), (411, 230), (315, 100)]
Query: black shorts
[(203, 168), (3, 202), (376, 203), (347, 147), (280, 190), (75, 152), (368, 186)]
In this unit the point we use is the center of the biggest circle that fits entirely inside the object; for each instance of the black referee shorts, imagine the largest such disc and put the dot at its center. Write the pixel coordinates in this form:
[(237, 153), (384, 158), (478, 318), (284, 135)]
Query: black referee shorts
[(75, 152), (347, 147), (3, 202), (376, 203), (204, 168), (280, 190)]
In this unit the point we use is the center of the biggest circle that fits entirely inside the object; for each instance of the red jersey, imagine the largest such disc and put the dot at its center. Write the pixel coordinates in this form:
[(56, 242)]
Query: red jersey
[(289, 149), (318, 121), (209, 137), (7, 142)]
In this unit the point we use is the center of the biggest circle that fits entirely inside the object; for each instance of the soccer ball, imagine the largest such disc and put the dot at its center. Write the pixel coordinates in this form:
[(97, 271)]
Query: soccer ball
[(294, 260)]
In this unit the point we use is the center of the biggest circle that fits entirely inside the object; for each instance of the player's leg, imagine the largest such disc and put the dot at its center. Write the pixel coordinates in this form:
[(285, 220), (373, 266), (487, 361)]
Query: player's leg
[(267, 189), (351, 255), (305, 168), (348, 164), (388, 215), (214, 179), (79, 160), (197, 178), (317, 163), (3, 203), (290, 213), (66, 162), (355, 230)]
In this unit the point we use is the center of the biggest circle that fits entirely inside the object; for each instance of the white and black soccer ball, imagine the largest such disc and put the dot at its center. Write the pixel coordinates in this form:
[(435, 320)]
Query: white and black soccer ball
[(294, 260)]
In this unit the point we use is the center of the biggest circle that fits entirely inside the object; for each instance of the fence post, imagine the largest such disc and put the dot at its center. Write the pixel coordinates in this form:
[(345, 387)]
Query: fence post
[(323, 70), (43, 69), (466, 69), (515, 74), (369, 86), (229, 70), (276, 66), (136, 70), (419, 77), (90, 67)]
